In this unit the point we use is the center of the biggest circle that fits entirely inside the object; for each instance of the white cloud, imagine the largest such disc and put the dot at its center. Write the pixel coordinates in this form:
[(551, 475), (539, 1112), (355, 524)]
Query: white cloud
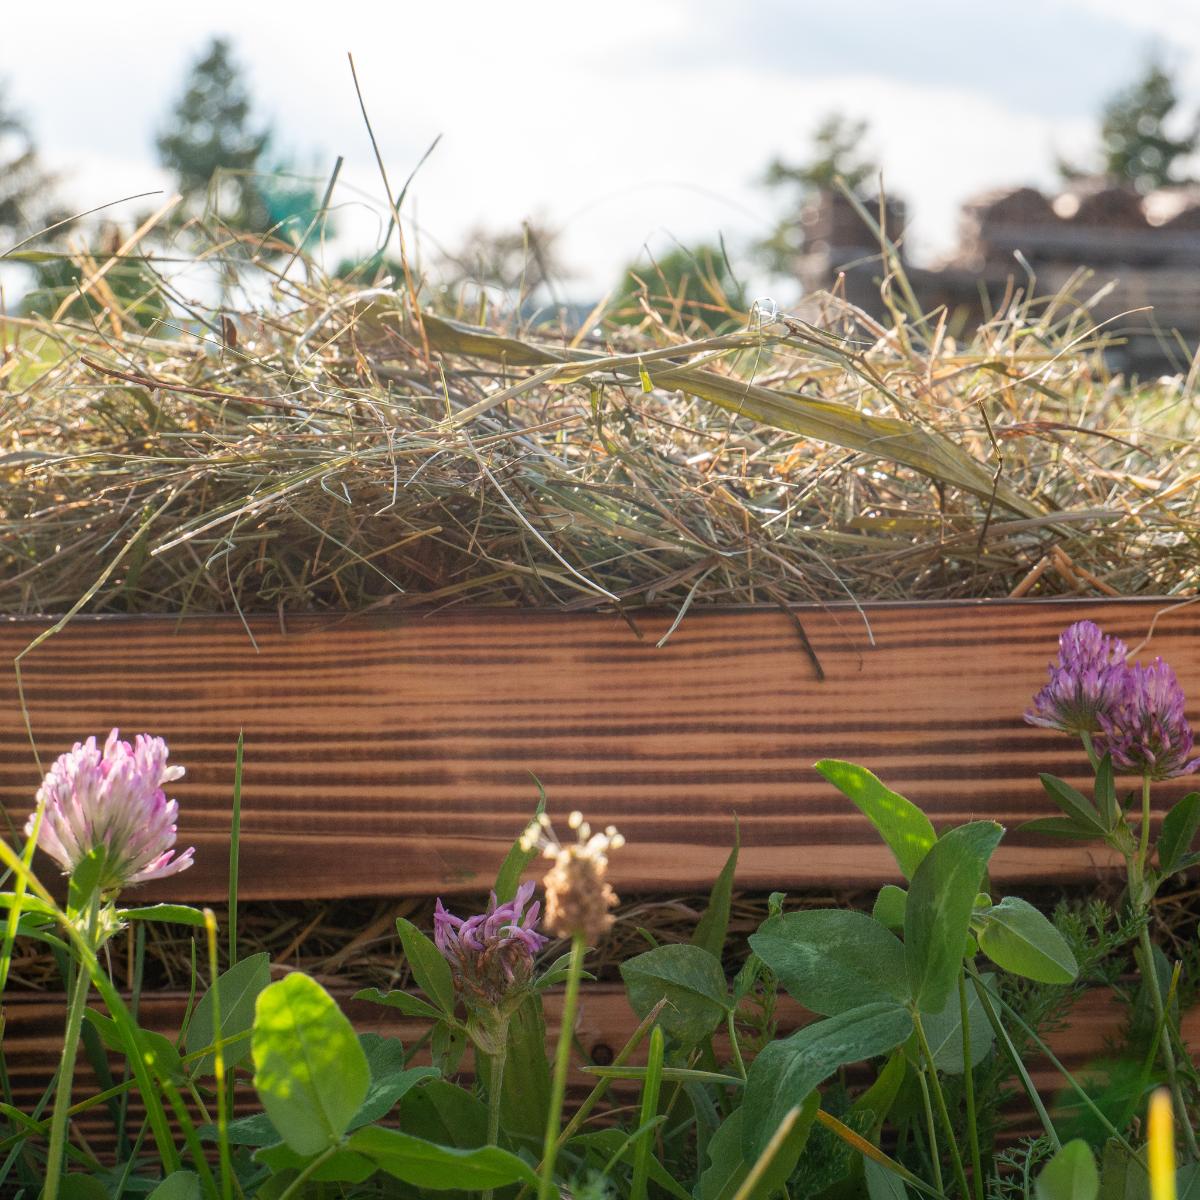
[(1172, 20)]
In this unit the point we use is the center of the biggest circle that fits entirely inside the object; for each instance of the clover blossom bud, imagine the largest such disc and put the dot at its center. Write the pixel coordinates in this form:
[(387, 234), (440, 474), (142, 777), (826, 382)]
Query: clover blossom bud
[(492, 954), (1148, 733), (1087, 681)]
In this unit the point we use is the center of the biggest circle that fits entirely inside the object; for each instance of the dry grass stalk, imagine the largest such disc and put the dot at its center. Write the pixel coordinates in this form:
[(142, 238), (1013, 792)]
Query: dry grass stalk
[(307, 453)]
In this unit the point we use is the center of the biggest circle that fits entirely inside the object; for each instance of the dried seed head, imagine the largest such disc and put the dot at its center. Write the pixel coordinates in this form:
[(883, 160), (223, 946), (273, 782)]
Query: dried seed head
[(578, 896)]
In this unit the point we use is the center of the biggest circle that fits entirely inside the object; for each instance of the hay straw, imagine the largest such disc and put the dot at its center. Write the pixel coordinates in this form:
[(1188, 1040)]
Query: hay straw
[(307, 453), (353, 943)]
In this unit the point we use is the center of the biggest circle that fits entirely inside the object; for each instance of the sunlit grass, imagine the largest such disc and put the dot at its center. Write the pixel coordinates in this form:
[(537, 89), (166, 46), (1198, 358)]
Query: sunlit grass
[(320, 444)]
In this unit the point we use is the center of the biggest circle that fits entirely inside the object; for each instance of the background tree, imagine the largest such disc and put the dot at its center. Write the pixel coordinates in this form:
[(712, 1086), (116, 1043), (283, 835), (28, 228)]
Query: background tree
[(836, 153), (688, 286), (370, 270), (210, 137), (290, 203), (130, 288), (218, 153), (1135, 145), (518, 263), (27, 201)]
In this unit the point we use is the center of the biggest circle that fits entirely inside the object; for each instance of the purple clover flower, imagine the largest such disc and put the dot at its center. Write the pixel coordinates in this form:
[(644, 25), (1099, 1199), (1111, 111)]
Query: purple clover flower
[(1148, 733), (112, 800), (1087, 682), (492, 953)]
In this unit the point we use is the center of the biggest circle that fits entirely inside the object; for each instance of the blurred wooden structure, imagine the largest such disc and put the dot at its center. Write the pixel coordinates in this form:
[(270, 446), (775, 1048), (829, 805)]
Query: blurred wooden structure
[(1146, 248)]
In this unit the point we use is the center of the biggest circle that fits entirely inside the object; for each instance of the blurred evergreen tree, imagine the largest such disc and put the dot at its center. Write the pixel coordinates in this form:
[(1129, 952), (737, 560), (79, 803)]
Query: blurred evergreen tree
[(220, 155), (209, 140), (1135, 145), (836, 154)]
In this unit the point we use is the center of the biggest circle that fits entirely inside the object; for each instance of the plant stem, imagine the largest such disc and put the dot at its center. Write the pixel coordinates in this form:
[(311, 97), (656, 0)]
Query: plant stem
[(1045, 1051), (600, 1090), (1150, 976), (223, 1095), (936, 1087), (1015, 1059), (1139, 901), (298, 1183), (235, 841), (495, 1085), (969, 1088), (1144, 835), (733, 1042), (112, 999), (562, 1063), (66, 1067), (935, 1155), (650, 1092), (1088, 746)]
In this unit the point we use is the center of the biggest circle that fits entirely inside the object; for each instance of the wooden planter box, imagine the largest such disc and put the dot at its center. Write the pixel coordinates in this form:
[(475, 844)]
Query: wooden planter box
[(393, 756)]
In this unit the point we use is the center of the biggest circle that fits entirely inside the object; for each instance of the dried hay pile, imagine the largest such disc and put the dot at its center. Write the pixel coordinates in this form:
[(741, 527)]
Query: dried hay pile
[(335, 446)]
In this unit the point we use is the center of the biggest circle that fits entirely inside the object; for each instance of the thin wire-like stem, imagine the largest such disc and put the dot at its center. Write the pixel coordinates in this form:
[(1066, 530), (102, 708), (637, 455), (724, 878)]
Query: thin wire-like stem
[(598, 1092), (969, 1088), (235, 840), (86, 956), (297, 1185), (210, 928), (935, 1087), (1150, 976), (733, 1044), (562, 1063), (1057, 1064), (1139, 900), (935, 1155), (1015, 1059)]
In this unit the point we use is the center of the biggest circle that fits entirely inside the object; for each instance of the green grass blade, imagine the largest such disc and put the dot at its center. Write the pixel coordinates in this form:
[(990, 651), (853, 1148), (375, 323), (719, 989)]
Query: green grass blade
[(235, 840), (116, 1007), (651, 1087)]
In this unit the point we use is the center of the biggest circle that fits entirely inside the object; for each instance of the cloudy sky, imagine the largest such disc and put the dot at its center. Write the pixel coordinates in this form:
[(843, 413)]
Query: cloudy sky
[(625, 124)]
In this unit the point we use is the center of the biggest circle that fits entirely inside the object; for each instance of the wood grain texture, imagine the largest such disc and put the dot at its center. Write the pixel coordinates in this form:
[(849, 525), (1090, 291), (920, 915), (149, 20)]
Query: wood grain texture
[(393, 755)]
